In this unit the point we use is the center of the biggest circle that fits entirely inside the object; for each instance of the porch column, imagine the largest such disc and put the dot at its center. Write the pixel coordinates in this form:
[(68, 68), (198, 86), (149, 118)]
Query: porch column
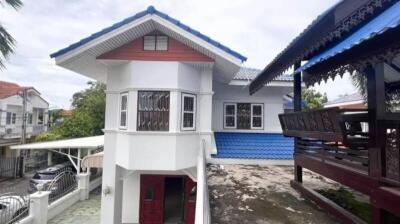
[(298, 170), (204, 103), (377, 110), (49, 158), (112, 185)]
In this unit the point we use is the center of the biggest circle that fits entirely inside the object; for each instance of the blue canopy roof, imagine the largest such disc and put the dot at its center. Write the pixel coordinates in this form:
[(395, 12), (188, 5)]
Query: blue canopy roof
[(150, 10), (388, 19)]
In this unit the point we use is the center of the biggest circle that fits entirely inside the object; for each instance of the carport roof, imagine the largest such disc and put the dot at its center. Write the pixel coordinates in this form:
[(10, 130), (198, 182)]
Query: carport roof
[(93, 142)]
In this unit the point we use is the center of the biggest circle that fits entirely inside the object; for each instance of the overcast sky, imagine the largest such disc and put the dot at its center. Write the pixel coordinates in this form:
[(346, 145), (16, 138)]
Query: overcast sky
[(258, 29)]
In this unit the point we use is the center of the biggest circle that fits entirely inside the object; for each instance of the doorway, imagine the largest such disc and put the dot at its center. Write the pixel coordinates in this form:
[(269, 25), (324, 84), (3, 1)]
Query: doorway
[(173, 200)]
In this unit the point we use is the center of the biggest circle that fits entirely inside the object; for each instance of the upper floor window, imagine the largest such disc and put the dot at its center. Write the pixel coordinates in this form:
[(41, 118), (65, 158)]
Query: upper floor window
[(30, 118), (155, 43), (243, 116), (11, 118), (40, 116), (153, 111), (123, 113), (188, 112)]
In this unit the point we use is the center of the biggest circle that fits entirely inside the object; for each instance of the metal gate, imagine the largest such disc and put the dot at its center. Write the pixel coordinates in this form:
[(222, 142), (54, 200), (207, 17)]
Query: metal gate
[(11, 167)]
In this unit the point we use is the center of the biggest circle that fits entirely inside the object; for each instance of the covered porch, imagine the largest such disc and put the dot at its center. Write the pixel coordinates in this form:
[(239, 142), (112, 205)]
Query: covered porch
[(355, 147)]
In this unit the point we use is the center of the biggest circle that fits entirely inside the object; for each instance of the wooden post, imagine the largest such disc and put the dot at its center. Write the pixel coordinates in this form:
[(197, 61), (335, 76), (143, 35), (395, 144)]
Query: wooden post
[(377, 110), (298, 170)]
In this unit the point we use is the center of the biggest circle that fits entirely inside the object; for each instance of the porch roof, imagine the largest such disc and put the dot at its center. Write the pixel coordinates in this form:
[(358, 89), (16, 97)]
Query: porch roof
[(330, 28), (93, 142), (386, 21)]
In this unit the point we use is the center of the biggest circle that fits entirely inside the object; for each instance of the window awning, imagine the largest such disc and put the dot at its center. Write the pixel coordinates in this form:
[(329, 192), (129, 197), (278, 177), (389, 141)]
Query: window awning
[(93, 142), (93, 161), (388, 19)]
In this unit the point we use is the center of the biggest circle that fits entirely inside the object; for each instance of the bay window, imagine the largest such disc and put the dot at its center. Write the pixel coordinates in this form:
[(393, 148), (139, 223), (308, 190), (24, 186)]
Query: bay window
[(123, 110), (153, 111), (188, 112), (243, 116)]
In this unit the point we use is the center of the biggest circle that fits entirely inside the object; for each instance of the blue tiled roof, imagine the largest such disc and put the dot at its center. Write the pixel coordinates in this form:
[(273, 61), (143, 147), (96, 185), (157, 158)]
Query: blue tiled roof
[(150, 10), (246, 73), (253, 146)]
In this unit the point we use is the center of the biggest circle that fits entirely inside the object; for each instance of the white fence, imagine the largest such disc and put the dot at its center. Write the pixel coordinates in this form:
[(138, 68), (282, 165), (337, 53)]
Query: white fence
[(41, 211), (202, 199)]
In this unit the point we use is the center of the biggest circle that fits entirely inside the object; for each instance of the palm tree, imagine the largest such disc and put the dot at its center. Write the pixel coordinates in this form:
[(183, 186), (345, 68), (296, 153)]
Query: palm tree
[(7, 42)]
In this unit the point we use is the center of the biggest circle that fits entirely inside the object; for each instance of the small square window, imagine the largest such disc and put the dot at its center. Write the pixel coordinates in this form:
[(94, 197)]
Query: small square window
[(149, 43), (162, 43)]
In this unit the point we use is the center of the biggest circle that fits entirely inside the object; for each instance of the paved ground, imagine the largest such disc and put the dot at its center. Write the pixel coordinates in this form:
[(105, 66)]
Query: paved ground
[(244, 194), (18, 185), (84, 212)]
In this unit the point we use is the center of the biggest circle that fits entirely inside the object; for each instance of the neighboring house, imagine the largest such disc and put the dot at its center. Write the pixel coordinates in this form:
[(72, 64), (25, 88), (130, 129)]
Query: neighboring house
[(58, 116), (169, 89), (11, 120), (352, 101)]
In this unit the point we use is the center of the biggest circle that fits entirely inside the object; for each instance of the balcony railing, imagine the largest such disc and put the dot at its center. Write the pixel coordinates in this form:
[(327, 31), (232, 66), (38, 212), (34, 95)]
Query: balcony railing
[(342, 137)]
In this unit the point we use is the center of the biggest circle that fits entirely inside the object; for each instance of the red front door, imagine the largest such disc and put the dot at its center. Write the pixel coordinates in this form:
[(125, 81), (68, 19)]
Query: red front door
[(190, 200), (151, 199)]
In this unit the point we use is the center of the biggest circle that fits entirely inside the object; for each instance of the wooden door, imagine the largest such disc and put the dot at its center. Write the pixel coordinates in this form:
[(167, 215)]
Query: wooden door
[(190, 200), (151, 199)]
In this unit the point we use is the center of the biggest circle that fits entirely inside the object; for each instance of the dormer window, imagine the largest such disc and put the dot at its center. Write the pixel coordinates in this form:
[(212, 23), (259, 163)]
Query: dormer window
[(155, 43)]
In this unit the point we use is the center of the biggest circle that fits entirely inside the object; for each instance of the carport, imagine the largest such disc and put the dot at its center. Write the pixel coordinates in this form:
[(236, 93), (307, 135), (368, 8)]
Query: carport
[(74, 149)]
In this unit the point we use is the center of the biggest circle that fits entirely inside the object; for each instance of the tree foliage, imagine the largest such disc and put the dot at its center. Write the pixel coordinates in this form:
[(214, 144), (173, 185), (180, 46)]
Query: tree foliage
[(7, 42), (87, 118), (313, 99)]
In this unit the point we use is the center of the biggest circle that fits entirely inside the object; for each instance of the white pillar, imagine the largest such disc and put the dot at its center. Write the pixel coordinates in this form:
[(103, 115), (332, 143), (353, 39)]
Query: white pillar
[(131, 198), (205, 109), (49, 158), (112, 185), (84, 186), (39, 206), (79, 161)]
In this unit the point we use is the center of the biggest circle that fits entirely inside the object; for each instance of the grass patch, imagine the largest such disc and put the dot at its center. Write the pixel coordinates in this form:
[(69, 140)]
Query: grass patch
[(346, 200)]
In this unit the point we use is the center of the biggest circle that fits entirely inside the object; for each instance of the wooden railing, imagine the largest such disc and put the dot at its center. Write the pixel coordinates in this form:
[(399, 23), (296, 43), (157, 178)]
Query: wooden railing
[(391, 152), (342, 137), (330, 134)]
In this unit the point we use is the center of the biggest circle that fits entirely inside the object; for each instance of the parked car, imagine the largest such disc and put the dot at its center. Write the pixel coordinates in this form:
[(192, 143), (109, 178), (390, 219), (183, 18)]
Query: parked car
[(13, 207), (46, 176)]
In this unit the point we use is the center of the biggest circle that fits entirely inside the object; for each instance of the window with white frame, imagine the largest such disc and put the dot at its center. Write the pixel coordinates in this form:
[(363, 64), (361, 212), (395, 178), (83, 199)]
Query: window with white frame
[(123, 110), (188, 112), (230, 115), (40, 116), (257, 116), (30, 118), (8, 118), (155, 43), (243, 116)]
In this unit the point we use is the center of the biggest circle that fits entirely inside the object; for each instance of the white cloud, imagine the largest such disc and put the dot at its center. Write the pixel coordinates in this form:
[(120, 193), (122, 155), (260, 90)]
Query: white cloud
[(258, 29)]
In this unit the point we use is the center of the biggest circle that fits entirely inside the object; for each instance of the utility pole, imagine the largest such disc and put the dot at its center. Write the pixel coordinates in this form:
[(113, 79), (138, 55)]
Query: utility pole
[(24, 115), (23, 133)]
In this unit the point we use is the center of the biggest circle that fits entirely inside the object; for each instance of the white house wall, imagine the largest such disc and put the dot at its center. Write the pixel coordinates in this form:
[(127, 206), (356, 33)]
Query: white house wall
[(172, 150), (271, 97)]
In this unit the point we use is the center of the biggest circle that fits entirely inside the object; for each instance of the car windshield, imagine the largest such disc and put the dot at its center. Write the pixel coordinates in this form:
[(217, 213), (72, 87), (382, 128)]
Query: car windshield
[(44, 176)]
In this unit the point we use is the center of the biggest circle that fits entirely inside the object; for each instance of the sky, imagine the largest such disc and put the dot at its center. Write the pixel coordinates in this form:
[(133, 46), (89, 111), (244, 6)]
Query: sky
[(258, 29)]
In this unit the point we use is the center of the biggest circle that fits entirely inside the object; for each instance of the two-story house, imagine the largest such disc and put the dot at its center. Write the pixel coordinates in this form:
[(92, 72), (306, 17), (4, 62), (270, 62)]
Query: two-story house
[(169, 88), (11, 120)]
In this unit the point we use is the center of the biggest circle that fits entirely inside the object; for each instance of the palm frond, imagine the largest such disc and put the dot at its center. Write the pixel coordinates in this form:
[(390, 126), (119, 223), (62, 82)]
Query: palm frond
[(7, 44), (359, 81), (16, 4)]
